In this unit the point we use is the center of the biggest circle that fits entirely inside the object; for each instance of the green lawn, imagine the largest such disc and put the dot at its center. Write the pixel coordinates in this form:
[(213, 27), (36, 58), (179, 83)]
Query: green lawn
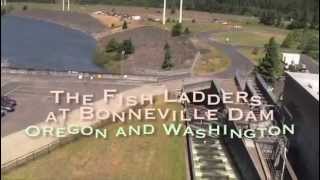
[(155, 157), (212, 60), (250, 37), (193, 27)]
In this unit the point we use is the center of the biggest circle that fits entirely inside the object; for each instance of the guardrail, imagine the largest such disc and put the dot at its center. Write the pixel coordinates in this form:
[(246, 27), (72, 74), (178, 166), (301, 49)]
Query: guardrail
[(5, 167), (170, 75), (46, 149)]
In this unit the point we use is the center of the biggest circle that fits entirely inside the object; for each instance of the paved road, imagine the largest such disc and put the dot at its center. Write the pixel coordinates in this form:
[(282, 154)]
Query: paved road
[(311, 64), (239, 62), (32, 94)]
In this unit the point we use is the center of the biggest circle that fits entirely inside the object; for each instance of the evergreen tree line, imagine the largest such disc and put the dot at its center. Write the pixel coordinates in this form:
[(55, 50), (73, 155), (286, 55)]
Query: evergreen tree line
[(307, 41), (300, 13)]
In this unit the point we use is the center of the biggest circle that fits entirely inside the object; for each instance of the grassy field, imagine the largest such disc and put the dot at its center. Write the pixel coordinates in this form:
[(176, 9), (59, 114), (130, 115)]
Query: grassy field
[(193, 27), (211, 62), (155, 157), (250, 37), (188, 14)]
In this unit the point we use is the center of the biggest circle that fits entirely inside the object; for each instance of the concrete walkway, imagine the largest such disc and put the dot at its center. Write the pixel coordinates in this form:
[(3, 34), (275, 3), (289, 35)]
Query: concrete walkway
[(18, 144)]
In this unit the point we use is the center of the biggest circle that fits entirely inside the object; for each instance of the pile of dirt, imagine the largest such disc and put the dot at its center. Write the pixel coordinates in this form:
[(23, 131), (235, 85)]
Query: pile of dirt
[(80, 21), (149, 53)]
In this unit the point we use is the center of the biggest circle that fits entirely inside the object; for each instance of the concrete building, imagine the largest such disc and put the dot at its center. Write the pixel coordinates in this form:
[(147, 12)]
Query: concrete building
[(290, 59), (301, 97), (262, 158)]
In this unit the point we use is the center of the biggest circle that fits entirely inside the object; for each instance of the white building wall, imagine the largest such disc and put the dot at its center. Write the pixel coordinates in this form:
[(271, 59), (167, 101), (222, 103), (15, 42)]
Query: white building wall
[(291, 59)]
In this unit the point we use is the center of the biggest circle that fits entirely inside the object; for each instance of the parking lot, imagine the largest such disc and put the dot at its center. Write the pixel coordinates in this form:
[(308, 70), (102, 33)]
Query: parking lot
[(34, 101)]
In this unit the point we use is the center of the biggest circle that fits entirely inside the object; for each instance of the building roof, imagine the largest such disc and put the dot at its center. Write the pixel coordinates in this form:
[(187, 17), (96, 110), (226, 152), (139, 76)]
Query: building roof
[(290, 54), (310, 82), (197, 86)]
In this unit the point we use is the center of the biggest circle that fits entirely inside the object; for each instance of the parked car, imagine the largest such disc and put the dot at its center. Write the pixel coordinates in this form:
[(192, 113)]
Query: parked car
[(3, 112), (7, 108), (7, 101)]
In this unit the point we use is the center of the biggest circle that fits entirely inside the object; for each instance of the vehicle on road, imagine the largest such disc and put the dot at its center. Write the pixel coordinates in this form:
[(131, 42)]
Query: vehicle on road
[(7, 101), (3, 112), (7, 108)]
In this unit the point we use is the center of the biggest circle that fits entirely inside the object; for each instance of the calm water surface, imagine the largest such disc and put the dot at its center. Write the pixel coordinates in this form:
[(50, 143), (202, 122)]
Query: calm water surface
[(28, 43)]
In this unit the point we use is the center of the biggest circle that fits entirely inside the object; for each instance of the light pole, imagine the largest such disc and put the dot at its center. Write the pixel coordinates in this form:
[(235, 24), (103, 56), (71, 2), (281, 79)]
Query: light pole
[(63, 5), (164, 12), (68, 7), (123, 53), (3, 3), (180, 13)]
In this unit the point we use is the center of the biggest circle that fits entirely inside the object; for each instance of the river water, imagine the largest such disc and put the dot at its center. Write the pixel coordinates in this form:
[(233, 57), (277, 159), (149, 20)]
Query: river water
[(28, 43)]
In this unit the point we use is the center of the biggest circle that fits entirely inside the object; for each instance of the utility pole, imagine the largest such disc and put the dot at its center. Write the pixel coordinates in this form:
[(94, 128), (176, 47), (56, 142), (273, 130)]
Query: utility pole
[(123, 53), (68, 7), (3, 3), (63, 5), (181, 8), (164, 12)]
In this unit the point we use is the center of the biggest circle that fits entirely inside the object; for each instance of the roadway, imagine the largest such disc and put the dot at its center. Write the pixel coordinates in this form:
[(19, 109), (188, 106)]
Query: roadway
[(35, 102), (239, 62)]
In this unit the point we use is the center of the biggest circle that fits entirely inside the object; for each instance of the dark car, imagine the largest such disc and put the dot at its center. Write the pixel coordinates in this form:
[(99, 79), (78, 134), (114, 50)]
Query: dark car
[(3, 112), (7, 101), (7, 108)]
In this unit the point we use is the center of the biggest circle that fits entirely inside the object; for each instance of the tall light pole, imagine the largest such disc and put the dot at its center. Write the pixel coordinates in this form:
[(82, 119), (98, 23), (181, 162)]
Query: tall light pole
[(3, 3), (180, 13), (164, 12), (63, 5), (68, 7)]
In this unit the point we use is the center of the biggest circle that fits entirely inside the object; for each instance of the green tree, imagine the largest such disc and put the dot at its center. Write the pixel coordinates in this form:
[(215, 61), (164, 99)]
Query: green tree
[(127, 46), (24, 7), (187, 31), (176, 29), (255, 51), (125, 25), (271, 67), (268, 18), (311, 45), (166, 46), (167, 63), (112, 46), (292, 39), (173, 10)]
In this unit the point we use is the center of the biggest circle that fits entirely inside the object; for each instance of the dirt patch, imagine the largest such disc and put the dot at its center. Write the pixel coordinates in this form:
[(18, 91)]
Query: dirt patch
[(75, 20), (149, 49), (115, 22), (109, 21)]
